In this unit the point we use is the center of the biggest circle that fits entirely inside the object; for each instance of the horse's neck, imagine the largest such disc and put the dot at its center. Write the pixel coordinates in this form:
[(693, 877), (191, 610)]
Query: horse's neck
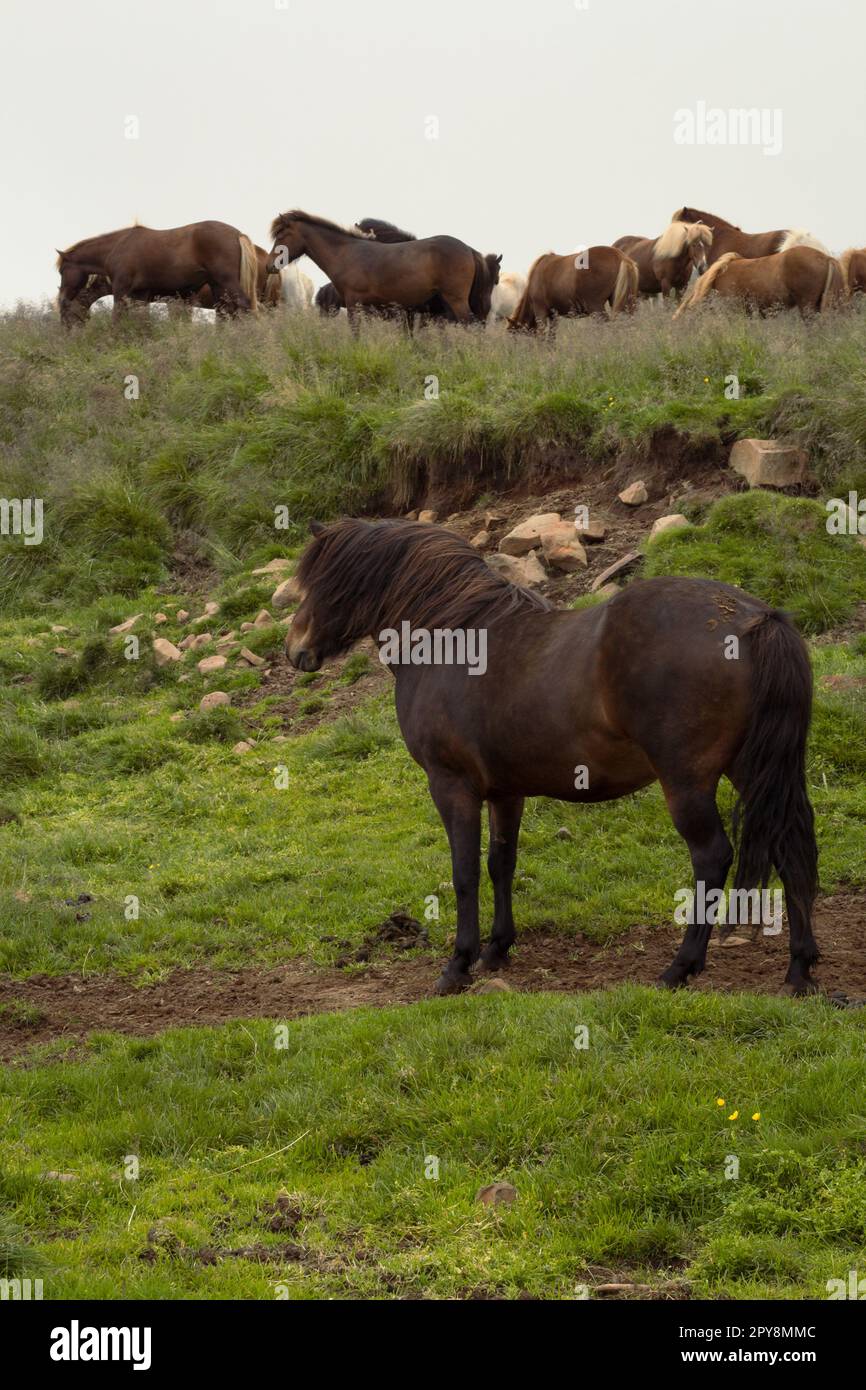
[(91, 254), (323, 246)]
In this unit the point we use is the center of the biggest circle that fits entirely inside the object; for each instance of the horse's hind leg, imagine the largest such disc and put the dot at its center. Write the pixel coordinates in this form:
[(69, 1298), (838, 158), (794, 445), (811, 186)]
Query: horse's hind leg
[(504, 815), (460, 809), (696, 816)]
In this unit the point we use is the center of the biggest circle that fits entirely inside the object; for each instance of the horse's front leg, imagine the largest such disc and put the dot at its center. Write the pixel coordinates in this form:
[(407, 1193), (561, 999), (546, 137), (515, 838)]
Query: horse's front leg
[(460, 809), (505, 816)]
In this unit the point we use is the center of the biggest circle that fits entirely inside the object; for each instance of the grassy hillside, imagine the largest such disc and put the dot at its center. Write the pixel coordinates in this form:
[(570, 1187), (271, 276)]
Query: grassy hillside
[(230, 424)]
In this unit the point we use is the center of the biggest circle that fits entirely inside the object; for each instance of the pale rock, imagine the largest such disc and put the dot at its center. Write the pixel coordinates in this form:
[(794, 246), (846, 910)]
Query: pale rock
[(767, 463), (182, 615), (635, 494), (480, 540), (243, 747), (668, 523), (274, 566), (428, 515), (213, 699), (528, 534), (209, 664), (263, 619), (124, 627), (165, 651), (250, 658), (160, 618), (285, 593)]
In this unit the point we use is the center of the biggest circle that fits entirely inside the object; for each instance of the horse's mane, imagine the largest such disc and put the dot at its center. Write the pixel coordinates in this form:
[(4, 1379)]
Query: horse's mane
[(86, 241), (377, 574), (708, 217), (282, 220), (384, 231), (678, 235)]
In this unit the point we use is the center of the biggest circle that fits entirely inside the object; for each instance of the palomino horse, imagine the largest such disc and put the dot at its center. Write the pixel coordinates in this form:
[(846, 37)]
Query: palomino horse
[(330, 301), (507, 295), (578, 284), (727, 237), (852, 263), (666, 264), (582, 706), (797, 279), (143, 264), (366, 271)]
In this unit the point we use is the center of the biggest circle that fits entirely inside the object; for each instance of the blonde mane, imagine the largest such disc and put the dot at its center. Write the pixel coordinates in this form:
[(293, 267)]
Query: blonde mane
[(701, 288), (675, 238)]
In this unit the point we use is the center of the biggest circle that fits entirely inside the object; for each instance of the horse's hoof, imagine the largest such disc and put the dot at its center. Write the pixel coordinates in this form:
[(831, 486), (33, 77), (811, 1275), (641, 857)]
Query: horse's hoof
[(672, 979), (799, 989), (453, 984), (492, 961)]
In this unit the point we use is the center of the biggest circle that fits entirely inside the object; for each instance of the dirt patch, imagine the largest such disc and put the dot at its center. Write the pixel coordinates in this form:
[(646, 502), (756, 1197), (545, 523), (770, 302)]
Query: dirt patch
[(72, 1006)]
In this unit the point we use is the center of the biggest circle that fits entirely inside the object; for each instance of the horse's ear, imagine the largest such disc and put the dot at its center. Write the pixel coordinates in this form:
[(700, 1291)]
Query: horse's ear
[(316, 528), (499, 259)]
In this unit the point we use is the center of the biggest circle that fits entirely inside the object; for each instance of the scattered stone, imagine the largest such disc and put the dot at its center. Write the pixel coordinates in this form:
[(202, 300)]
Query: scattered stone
[(182, 615), (250, 658), (481, 540), (533, 571), (562, 549), (593, 532), (243, 747), (672, 522), (213, 699), (209, 664), (528, 534), (607, 1290), (517, 569), (496, 1193), (494, 519), (53, 1176), (124, 627), (563, 833), (62, 651), (274, 566), (492, 986), (428, 515), (635, 494), (192, 643), (263, 619), (622, 566), (165, 651), (285, 593), (177, 718), (733, 940), (211, 608), (160, 618), (57, 628), (246, 627), (226, 638), (767, 463)]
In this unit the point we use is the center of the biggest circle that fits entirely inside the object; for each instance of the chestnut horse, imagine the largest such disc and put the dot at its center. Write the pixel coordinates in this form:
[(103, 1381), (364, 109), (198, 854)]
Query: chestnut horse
[(366, 271), (797, 279), (268, 291), (727, 237), (666, 264), (583, 283), (141, 263), (582, 706), (852, 263)]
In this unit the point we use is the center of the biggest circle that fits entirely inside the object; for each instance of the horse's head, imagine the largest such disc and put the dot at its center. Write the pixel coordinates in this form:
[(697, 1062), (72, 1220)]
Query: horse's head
[(288, 244), (321, 627), (79, 288), (700, 240)]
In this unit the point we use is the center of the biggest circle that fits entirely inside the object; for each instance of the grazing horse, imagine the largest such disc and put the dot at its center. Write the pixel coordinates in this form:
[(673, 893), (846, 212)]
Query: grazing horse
[(560, 285), (727, 237), (141, 263), (582, 706), (98, 286), (666, 264), (852, 263), (366, 271), (801, 279), (507, 295)]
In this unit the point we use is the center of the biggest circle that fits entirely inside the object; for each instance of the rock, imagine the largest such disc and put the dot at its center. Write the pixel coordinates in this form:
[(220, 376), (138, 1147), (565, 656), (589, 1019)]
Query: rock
[(53, 1176), (243, 747), (182, 615), (210, 609), (250, 658), (481, 540), (124, 627), (177, 718), (192, 643), (621, 566), (733, 940), (160, 618), (62, 651), (493, 986), (411, 516), (767, 463), (213, 699), (246, 627), (517, 569), (563, 833), (593, 532), (58, 628), (285, 593), (496, 1193), (527, 535), (635, 494), (209, 664), (274, 566), (494, 519), (165, 651), (428, 515), (263, 619), (533, 571), (226, 638), (668, 523), (561, 548)]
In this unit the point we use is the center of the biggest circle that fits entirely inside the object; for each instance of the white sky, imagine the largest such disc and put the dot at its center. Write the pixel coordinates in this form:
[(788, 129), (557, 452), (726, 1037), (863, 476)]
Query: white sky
[(555, 122)]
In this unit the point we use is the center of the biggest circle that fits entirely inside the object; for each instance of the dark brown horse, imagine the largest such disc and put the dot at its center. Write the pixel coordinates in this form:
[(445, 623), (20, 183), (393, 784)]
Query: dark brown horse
[(366, 271), (797, 279), (728, 237), (666, 263), (582, 706), (142, 264), (96, 287), (584, 283)]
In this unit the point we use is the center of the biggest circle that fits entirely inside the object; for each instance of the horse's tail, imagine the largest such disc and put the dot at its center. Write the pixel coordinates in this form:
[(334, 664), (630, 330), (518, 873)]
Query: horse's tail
[(625, 289), (523, 316), (249, 271), (773, 820), (834, 285), (702, 286)]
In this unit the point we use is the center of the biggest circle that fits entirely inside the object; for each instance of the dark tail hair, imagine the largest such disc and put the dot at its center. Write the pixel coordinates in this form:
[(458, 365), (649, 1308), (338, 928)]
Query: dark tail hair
[(773, 821)]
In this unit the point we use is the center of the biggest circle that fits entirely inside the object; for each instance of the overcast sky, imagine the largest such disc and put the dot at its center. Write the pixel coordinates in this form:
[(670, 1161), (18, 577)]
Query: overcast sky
[(556, 118)]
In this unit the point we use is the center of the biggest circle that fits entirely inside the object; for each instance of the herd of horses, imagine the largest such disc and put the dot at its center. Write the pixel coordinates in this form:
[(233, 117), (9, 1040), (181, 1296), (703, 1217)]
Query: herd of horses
[(376, 267)]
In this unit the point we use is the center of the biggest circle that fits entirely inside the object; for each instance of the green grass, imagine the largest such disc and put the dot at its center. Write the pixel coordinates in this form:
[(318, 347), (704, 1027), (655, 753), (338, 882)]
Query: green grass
[(618, 1151), (292, 413)]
